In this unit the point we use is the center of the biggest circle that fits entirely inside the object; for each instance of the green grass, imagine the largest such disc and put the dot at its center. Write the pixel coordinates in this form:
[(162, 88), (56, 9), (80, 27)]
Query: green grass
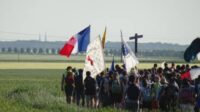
[(36, 90), (59, 65), (33, 83), (75, 58)]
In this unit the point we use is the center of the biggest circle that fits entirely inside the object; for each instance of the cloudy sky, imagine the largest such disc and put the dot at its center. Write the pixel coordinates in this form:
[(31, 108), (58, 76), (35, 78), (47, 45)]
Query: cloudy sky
[(172, 21)]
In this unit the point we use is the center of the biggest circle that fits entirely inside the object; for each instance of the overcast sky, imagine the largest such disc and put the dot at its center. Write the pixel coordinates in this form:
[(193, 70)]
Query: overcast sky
[(172, 21)]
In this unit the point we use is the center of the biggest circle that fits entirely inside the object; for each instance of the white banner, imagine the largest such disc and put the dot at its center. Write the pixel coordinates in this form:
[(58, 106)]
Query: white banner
[(130, 60), (194, 73), (198, 56), (94, 61)]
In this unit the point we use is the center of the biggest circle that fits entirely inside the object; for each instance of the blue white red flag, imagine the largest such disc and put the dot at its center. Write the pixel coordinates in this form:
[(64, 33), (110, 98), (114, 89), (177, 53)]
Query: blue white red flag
[(77, 43)]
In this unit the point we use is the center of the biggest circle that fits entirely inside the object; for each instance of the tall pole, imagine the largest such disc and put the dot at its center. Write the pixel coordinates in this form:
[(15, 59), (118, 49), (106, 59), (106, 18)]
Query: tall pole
[(136, 44), (45, 37), (136, 37), (39, 37), (121, 43)]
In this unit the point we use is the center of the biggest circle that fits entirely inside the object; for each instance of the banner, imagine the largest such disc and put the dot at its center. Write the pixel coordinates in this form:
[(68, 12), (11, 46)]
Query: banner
[(94, 61)]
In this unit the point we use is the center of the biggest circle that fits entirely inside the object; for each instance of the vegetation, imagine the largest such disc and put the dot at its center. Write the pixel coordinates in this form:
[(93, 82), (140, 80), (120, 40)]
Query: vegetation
[(112, 48), (77, 58), (37, 90), (31, 83)]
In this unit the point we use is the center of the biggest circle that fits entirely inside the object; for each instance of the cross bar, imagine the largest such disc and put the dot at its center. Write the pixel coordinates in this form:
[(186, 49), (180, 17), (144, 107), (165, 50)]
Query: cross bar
[(136, 37)]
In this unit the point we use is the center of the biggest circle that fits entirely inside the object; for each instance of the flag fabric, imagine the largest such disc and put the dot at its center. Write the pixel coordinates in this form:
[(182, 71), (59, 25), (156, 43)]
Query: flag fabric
[(192, 74), (129, 57), (163, 65), (193, 49), (77, 43), (68, 47), (112, 67), (104, 39), (94, 61), (198, 56)]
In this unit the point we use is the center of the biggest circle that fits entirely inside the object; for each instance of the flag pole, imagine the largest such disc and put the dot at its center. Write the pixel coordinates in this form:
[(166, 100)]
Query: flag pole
[(121, 43)]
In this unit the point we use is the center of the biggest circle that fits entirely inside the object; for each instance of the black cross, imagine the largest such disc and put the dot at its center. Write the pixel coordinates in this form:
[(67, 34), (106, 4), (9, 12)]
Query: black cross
[(136, 41)]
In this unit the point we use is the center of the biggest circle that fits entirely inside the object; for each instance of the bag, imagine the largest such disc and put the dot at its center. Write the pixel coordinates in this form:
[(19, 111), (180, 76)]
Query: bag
[(116, 87), (155, 104), (69, 81), (90, 84), (155, 90), (172, 92), (132, 105), (147, 94), (186, 96), (104, 86), (198, 103)]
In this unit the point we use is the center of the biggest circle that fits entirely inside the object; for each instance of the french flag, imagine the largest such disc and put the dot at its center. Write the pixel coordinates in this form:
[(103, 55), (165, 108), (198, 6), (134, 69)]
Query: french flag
[(191, 74), (77, 43)]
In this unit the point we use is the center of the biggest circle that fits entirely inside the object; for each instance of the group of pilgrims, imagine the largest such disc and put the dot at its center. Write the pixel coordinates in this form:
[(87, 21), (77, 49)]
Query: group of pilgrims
[(154, 89)]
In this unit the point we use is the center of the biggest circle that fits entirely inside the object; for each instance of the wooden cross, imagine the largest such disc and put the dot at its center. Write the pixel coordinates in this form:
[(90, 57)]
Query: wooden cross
[(136, 41)]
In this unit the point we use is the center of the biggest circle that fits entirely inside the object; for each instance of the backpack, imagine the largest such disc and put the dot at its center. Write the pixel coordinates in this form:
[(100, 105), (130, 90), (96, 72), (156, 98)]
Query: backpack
[(155, 90), (197, 87), (147, 94), (79, 82), (186, 95), (90, 84), (116, 87), (99, 79), (172, 92), (69, 81), (198, 90), (104, 86)]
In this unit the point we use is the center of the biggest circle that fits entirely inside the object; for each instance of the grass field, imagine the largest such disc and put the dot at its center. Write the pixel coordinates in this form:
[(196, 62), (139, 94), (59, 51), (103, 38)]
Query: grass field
[(34, 85), (74, 58), (35, 90), (59, 65)]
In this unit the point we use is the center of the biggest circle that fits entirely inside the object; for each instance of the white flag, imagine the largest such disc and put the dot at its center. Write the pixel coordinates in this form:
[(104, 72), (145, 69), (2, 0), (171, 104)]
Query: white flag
[(163, 65), (129, 57), (194, 73), (198, 56), (94, 61)]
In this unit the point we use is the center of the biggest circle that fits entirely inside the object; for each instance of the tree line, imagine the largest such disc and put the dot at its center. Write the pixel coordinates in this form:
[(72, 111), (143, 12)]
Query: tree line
[(30, 50), (108, 52)]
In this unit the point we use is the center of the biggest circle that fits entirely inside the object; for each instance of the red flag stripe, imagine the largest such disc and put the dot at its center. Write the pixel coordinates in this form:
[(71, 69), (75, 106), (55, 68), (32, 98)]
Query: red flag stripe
[(68, 47)]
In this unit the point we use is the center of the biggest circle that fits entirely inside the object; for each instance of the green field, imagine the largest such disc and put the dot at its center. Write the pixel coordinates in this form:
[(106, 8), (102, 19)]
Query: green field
[(53, 65), (74, 58), (32, 83), (35, 90)]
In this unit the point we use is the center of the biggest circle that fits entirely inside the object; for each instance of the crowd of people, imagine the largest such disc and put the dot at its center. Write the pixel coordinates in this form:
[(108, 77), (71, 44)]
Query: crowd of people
[(148, 89)]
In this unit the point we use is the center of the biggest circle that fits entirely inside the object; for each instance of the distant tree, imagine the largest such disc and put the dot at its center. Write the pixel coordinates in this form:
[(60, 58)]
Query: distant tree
[(28, 50), (114, 52), (58, 50), (3, 49), (47, 50), (9, 50), (35, 50), (22, 50), (41, 51), (111, 51), (106, 52), (15, 50), (53, 51)]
